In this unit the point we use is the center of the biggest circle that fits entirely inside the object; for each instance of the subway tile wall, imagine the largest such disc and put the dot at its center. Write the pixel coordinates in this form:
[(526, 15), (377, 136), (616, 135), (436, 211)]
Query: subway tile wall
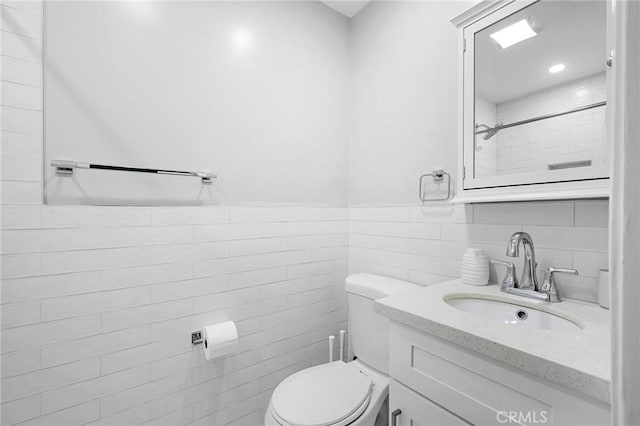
[(426, 244), (98, 304)]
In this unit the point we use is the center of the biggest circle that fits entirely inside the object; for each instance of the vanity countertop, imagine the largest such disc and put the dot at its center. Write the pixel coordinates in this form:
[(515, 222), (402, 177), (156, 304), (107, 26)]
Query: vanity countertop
[(578, 360)]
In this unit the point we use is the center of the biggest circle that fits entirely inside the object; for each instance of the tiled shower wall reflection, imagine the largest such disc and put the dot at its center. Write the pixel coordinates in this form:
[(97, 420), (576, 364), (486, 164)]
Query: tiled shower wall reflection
[(577, 137), (426, 244)]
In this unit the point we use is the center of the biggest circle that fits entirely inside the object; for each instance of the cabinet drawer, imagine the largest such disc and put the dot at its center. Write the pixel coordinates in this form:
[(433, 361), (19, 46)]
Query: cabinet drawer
[(481, 391), (416, 410)]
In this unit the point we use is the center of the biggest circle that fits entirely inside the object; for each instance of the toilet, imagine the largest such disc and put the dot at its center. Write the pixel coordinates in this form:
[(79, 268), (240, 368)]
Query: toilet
[(339, 393)]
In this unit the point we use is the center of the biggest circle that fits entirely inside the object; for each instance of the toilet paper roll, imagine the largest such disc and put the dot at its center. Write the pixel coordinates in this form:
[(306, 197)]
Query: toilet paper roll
[(220, 339)]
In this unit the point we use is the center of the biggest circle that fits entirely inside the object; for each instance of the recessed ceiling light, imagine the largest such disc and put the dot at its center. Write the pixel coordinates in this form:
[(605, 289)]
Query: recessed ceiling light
[(514, 33), (556, 68)]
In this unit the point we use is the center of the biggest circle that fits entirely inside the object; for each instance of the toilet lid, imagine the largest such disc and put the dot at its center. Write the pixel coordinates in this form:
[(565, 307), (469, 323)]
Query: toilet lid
[(323, 395)]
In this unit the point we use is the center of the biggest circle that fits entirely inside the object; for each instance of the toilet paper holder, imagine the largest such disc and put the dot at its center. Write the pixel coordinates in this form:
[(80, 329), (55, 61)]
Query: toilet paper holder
[(196, 338)]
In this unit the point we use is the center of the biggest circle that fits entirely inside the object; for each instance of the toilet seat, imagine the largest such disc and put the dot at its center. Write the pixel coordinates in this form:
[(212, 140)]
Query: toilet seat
[(328, 394)]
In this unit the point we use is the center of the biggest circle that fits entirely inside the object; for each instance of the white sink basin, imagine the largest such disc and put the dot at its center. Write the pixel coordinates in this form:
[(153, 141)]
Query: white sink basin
[(513, 314)]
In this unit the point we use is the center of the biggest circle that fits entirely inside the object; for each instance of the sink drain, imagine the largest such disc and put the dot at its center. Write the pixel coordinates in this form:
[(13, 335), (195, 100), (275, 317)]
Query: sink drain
[(522, 315)]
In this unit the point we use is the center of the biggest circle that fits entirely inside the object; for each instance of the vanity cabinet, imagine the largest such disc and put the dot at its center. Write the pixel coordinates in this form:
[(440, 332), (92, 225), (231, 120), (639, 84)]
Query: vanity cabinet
[(437, 383), (418, 410)]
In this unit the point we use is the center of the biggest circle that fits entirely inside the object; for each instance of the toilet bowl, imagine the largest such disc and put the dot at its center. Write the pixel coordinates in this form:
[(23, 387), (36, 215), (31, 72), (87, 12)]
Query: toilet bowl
[(339, 393), (336, 394)]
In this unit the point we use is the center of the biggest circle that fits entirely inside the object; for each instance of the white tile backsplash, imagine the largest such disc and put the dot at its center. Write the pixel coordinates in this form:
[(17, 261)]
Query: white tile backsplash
[(590, 263), (592, 213), (531, 213), (566, 234)]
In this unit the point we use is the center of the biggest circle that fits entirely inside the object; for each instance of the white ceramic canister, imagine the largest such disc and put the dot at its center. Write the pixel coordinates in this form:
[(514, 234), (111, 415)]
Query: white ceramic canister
[(475, 267)]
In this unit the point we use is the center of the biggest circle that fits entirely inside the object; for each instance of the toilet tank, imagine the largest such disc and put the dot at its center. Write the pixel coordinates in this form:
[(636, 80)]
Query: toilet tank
[(369, 331)]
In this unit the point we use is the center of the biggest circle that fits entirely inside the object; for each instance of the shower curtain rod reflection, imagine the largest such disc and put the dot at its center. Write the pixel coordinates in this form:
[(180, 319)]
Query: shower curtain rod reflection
[(500, 126), (65, 168)]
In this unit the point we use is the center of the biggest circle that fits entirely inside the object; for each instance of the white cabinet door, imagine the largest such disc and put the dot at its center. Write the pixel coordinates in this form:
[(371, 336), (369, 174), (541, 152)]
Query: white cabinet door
[(481, 391), (416, 410)]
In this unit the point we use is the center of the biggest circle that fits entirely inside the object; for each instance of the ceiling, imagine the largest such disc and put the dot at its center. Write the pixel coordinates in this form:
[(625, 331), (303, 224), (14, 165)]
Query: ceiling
[(572, 33), (347, 7)]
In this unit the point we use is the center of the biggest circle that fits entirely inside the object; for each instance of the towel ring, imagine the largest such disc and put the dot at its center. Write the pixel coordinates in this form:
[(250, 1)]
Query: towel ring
[(438, 176)]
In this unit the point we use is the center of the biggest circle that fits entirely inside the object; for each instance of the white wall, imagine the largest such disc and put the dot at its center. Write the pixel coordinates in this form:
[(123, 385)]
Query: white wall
[(403, 98), (404, 92), (256, 91)]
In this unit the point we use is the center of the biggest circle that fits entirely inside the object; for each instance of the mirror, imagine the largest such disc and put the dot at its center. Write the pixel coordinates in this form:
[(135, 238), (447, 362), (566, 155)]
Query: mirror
[(539, 95)]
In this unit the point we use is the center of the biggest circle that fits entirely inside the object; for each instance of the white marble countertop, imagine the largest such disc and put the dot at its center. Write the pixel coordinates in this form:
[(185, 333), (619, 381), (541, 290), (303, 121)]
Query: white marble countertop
[(579, 360)]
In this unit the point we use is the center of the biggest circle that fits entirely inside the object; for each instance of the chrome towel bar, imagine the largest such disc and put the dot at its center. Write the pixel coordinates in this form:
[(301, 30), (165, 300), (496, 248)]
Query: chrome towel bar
[(65, 168)]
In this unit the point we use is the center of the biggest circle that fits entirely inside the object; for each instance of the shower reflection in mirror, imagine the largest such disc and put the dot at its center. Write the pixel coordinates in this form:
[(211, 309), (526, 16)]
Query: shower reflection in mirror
[(540, 90)]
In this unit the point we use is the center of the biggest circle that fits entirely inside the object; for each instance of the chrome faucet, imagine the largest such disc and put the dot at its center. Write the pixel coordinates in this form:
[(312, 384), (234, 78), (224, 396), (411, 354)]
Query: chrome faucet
[(528, 286), (528, 280)]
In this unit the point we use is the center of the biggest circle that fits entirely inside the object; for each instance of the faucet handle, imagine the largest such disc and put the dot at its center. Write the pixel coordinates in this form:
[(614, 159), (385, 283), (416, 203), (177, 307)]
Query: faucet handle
[(510, 279), (549, 285), (562, 270)]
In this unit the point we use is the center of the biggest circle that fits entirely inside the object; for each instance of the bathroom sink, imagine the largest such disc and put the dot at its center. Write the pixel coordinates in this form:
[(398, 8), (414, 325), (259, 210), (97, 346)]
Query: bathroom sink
[(513, 314)]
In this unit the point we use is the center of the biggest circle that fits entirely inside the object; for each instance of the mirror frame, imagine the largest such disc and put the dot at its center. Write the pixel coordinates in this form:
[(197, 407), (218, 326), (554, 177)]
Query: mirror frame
[(564, 184)]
